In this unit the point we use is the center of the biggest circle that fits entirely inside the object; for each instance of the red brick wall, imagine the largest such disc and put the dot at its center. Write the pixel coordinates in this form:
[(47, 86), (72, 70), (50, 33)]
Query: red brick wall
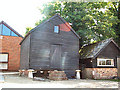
[(25, 72), (99, 73), (10, 44), (57, 75)]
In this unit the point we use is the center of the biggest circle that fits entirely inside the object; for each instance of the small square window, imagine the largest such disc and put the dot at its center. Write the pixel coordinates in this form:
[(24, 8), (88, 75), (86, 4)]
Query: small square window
[(56, 29)]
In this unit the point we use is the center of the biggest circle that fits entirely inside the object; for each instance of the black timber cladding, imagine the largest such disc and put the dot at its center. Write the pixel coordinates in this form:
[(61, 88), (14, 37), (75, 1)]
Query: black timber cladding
[(24, 54), (48, 21), (108, 50), (46, 46)]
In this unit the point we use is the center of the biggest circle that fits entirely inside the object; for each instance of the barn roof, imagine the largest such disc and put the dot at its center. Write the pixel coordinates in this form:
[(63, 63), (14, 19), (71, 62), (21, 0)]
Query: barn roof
[(46, 22), (4, 23), (93, 50)]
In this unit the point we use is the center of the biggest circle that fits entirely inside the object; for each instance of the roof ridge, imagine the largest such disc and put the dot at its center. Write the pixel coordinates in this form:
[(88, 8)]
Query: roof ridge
[(47, 21), (92, 50), (2, 22)]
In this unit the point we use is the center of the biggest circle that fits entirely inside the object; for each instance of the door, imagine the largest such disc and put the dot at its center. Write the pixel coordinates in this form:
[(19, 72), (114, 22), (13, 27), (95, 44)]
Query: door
[(118, 66), (55, 57)]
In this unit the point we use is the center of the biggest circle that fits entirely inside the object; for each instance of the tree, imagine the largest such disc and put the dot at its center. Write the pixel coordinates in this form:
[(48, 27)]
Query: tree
[(91, 20), (28, 29), (114, 7)]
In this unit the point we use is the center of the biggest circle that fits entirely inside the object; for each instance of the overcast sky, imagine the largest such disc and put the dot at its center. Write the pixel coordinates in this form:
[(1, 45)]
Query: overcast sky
[(20, 14)]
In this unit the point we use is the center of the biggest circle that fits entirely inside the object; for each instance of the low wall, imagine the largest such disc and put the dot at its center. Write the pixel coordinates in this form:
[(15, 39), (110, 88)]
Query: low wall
[(23, 72), (57, 75), (99, 73), (52, 75)]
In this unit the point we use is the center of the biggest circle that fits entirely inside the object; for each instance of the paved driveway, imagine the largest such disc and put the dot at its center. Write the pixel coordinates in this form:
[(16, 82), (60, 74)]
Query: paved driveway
[(15, 81)]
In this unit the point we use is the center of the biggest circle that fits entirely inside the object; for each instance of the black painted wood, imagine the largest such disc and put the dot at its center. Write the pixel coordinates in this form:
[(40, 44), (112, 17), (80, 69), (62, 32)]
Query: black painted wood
[(24, 57), (44, 41), (110, 51)]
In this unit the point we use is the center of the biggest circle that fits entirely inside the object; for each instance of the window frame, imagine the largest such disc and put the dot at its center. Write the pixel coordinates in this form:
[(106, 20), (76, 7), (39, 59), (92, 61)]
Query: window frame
[(58, 29), (7, 58), (11, 31), (104, 59), (4, 30), (4, 68), (5, 62)]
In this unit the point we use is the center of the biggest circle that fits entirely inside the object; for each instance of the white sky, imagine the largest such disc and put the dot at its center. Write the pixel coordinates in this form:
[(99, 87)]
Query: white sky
[(20, 14)]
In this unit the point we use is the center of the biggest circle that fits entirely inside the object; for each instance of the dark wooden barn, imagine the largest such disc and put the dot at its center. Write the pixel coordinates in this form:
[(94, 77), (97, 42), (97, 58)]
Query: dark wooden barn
[(52, 45), (99, 60)]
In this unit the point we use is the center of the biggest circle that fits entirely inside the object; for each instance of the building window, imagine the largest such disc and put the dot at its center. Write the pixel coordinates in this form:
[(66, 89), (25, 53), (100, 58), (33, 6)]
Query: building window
[(3, 57), (3, 61), (3, 66), (56, 29), (13, 34), (6, 31), (0, 29), (105, 62)]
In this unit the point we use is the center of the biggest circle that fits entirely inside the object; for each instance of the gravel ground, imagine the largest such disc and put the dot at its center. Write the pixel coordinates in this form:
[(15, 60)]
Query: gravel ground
[(15, 81)]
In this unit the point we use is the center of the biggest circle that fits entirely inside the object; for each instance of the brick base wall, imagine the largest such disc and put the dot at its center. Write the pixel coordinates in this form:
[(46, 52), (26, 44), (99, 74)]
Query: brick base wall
[(57, 75), (99, 73), (23, 73), (53, 75)]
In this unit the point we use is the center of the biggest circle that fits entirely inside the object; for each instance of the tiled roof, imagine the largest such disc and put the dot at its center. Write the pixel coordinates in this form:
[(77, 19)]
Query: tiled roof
[(92, 50)]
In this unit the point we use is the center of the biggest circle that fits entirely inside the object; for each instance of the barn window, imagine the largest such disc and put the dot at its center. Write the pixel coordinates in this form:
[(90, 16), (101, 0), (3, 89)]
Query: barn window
[(105, 62), (56, 29), (3, 61)]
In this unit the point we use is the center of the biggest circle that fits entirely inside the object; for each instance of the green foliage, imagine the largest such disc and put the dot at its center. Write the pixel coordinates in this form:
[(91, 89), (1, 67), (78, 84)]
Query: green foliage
[(28, 29), (114, 8), (91, 20)]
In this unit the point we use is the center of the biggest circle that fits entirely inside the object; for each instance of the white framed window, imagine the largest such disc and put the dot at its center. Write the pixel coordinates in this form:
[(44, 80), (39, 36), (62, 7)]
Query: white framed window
[(3, 57), (56, 29), (3, 65), (105, 62)]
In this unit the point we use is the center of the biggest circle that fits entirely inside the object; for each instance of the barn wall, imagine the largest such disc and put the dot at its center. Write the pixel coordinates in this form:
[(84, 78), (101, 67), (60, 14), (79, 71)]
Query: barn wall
[(111, 51), (101, 72), (43, 38), (25, 50)]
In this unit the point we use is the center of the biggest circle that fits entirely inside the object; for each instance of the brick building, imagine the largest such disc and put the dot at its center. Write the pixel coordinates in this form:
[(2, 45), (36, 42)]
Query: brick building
[(99, 60), (9, 48)]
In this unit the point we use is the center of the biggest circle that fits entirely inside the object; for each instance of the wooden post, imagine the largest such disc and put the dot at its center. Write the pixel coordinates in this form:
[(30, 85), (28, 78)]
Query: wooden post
[(118, 66)]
